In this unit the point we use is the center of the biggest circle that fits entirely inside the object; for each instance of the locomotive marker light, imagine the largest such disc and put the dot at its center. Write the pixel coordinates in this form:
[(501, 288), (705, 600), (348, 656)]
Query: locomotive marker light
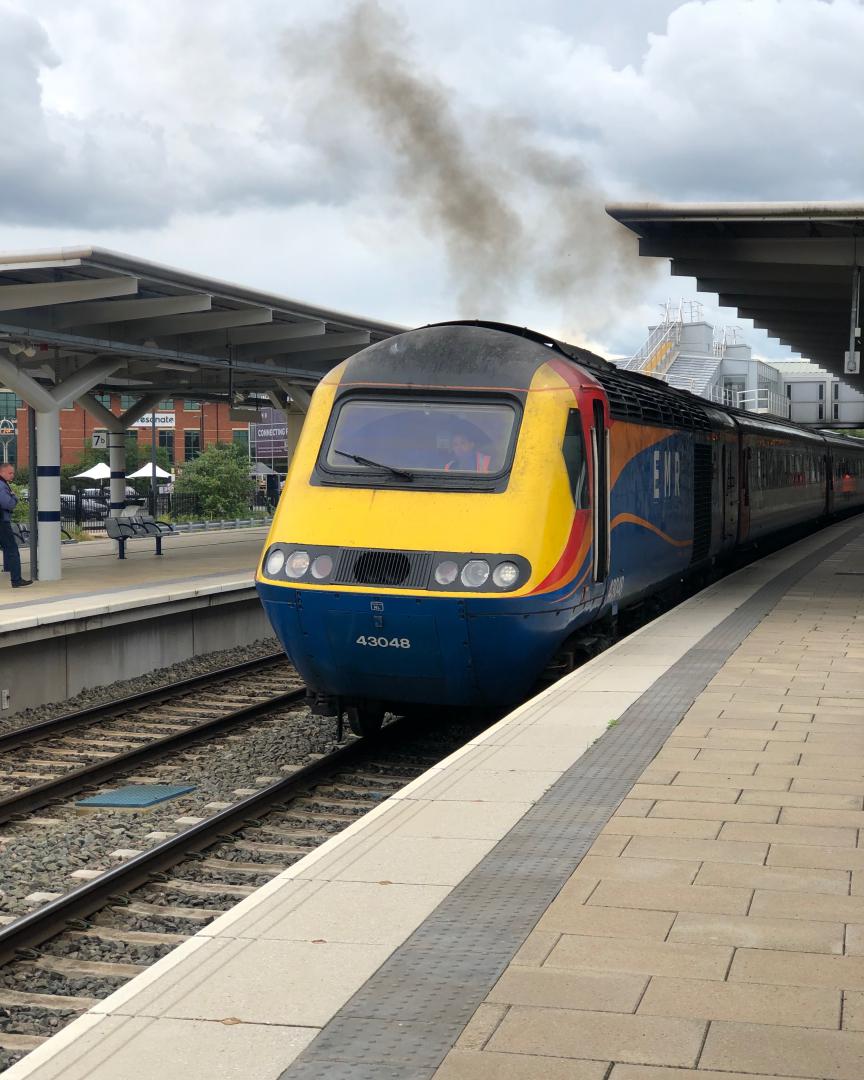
[(322, 567), (446, 572), (297, 564), (275, 562), (475, 573), (505, 575)]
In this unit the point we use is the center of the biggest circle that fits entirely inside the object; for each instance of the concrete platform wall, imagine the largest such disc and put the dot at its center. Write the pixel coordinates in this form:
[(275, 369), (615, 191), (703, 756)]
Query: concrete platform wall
[(95, 652)]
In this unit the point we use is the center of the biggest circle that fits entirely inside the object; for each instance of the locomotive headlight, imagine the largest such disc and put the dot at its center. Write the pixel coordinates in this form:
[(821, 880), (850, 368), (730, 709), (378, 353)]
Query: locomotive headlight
[(505, 575), (297, 564), (446, 572), (322, 567), (274, 562), (475, 573)]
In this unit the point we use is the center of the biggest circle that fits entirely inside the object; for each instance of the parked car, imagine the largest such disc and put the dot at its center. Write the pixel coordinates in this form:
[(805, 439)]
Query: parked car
[(91, 509)]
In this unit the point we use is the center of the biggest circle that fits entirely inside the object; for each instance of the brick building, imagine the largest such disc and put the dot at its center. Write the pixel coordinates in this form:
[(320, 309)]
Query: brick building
[(184, 427)]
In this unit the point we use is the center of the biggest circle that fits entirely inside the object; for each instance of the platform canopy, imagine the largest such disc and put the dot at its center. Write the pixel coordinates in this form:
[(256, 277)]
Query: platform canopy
[(176, 332), (790, 267)]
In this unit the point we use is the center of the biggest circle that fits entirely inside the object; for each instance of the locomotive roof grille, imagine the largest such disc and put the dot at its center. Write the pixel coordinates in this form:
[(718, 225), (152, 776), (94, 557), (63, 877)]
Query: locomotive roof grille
[(654, 403), (631, 396)]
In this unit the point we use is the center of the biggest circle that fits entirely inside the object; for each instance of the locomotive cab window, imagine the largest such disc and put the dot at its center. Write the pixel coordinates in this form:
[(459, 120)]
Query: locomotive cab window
[(575, 460), (404, 437)]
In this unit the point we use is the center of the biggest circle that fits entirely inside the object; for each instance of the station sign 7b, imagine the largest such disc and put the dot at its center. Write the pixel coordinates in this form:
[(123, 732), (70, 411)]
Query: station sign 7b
[(100, 440)]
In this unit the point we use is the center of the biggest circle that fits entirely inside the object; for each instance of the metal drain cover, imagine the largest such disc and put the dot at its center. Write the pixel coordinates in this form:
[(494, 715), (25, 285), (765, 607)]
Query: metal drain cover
[(136, 796)]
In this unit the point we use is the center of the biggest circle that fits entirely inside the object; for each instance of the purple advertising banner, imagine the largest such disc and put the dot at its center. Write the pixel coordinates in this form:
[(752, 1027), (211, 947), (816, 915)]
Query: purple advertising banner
[(270, 436)]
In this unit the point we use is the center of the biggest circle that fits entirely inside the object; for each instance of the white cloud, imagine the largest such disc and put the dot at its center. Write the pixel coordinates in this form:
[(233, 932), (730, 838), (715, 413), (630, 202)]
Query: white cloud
[(183, 132)]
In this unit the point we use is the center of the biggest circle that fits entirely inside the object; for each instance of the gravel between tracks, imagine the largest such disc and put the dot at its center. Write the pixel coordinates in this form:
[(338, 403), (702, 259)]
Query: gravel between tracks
[(41, 858), (65, 965), (185, 669)]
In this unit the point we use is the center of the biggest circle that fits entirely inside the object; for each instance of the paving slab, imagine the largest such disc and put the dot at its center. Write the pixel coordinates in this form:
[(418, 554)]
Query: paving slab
[(561, 898)]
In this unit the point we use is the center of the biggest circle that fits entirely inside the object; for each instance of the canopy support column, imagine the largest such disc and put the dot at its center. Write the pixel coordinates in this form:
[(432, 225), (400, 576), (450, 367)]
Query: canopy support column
[(117, 427), (296, 408), (48, 403), (48, 494)]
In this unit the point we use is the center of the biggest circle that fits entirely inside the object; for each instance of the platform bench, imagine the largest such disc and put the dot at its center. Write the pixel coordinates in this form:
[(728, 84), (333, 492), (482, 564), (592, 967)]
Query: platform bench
[(144, 527), (22, 535)]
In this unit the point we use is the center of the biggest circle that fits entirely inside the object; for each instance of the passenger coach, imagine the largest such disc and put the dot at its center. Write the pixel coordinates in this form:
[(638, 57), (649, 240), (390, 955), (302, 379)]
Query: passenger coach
[(465, 499)]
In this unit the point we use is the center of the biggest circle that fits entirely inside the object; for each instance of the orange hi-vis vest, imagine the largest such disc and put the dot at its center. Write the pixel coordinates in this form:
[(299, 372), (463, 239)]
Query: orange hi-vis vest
[(481, 463)]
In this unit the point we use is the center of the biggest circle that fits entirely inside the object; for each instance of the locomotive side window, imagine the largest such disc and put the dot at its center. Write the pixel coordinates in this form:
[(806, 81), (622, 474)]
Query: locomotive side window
[(574, 458), (402, 437)]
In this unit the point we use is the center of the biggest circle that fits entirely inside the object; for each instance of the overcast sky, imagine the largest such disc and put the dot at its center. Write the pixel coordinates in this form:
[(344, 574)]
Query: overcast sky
[(413, 161)]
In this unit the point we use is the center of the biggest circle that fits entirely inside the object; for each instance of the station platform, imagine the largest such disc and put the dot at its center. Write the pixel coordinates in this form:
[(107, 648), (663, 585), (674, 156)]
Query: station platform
[(110, 619), (652, 871)]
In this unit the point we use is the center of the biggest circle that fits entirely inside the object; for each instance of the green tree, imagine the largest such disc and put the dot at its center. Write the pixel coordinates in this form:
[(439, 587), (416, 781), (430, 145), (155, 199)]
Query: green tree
[(220, 478), (22, 510)]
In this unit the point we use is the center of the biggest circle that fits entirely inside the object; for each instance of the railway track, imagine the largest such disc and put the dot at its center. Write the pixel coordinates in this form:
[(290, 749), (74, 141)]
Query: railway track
[(57, 758), (62, 958)]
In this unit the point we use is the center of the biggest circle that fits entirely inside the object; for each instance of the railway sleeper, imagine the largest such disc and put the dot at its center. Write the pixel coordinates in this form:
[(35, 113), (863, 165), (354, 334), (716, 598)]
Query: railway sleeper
[(143, 909), (66, 965), (262, 847), (46, 1001), (344, 791), (17, 775), (387, 777), (322, 819), (135, 733), (131, 937), (226, 866), (195, 888), (347, 808), (304, 835), (10, 1040), (360, 781)]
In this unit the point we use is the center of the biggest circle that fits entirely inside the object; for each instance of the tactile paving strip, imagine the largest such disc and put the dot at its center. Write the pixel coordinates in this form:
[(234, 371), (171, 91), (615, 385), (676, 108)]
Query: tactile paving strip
[(402, 1022)]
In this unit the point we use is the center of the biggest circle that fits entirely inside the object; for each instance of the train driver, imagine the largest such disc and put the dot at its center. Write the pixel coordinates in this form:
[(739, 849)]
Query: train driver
[(466, 456)]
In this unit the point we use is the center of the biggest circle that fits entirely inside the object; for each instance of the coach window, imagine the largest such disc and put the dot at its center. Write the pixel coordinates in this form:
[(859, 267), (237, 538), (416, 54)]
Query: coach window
[(574, 458)]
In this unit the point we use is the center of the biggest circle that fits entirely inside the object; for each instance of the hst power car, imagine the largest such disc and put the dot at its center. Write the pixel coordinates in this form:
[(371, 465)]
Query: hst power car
[(466, 498)]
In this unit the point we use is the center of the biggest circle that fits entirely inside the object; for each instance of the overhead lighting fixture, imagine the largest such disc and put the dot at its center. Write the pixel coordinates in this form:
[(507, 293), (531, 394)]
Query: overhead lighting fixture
[(16, 349)]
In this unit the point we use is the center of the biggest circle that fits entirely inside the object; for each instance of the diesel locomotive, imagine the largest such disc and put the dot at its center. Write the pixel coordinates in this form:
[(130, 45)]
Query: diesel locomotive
[(467, 498)]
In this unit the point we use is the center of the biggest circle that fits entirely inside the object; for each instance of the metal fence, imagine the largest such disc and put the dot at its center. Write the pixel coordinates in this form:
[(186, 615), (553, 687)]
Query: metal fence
[(81, 511)]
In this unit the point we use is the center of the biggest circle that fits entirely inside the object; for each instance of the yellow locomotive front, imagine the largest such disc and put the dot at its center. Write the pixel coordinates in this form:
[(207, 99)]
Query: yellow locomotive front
[(416, 553)]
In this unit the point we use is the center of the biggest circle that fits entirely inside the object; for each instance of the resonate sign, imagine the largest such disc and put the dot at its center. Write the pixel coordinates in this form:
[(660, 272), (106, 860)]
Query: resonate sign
[(163, 420)]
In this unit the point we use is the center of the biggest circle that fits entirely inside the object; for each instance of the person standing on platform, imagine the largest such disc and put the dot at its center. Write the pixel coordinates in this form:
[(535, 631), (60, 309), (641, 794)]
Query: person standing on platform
[(8, 502)]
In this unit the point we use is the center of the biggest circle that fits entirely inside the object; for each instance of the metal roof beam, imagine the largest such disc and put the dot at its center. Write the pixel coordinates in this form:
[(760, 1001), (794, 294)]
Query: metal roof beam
[(771, 291), (131, 351), (13, 297), (245, 335), (834, 308), (113, 311), (744, 273), (319, 362), (326, 343), (177, 325), (806, 320), (804, 251)]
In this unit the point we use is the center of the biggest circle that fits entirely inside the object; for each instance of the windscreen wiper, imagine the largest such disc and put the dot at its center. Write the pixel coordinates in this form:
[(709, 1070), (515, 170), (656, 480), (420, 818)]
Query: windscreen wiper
[(376, 464)]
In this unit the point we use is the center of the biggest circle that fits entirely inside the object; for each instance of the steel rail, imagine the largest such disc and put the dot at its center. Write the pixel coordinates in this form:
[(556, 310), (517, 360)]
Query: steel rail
[(53, 918), (11, 740), (36, 797)]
